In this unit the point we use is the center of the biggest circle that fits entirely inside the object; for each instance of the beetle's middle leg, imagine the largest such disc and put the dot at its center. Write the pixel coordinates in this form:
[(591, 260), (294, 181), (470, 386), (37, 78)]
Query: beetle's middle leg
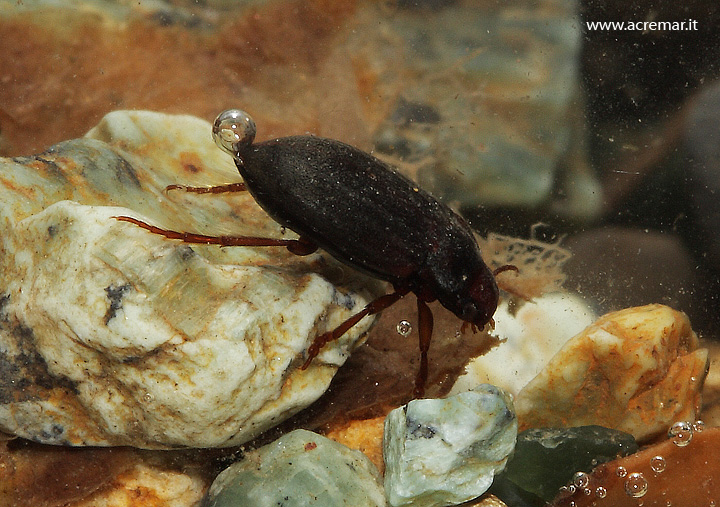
[(218, 189), (298, 246), (375, 306)]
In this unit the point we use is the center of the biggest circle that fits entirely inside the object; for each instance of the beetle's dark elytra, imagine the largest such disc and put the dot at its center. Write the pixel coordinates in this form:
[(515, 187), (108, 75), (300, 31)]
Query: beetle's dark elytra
[(372, 218)]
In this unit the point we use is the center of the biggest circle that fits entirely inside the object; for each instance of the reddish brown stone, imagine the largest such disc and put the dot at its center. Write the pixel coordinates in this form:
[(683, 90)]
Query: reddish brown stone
[(684, 476)]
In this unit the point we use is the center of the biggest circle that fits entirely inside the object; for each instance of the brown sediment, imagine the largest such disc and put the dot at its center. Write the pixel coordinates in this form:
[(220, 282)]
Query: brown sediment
[(57, 83)]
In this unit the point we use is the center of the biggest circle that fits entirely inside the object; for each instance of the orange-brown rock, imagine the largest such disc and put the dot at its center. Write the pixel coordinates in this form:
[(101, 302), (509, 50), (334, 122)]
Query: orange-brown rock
[(637, 370)]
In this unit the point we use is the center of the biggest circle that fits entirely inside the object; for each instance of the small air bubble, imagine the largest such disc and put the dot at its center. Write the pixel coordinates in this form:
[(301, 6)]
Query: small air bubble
[(600, 492), (698, 426), (621, 472), (580, 479), (233, 130), (404, 328), (636, 485), (148, 397), (657, 463), (681, 433)]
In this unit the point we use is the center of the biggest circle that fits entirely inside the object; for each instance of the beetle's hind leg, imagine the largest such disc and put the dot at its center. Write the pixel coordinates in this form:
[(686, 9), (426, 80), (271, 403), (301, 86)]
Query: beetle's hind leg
[(425, 325), (375, 306), (298, 246), (219, 189)]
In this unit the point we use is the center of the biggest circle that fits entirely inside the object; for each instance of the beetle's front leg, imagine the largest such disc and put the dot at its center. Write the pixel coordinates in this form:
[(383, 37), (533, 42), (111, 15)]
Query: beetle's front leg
[(298, 246)]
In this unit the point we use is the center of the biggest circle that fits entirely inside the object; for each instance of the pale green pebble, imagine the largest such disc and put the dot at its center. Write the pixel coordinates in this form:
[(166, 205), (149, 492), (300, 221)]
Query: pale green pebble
[(447, 451), (299, 469)]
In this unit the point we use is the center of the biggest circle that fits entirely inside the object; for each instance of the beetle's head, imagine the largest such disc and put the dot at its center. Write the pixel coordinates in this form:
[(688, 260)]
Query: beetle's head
[(477, 298)]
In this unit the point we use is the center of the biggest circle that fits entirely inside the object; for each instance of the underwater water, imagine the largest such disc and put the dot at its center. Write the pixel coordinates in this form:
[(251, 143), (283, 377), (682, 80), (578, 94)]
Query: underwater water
[(579, 139)]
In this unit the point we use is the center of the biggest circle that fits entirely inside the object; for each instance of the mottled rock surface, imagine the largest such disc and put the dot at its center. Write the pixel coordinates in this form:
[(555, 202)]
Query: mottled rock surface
[(637, 370), (447, 451), (110, 335), (301, 468), (500, 140)]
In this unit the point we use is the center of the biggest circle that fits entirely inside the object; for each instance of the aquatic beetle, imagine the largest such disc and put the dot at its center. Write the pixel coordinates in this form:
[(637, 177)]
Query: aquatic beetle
[(364, 214)]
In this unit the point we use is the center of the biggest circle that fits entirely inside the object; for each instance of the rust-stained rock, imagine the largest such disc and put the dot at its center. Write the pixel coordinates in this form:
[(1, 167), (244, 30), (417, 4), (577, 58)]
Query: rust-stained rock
[(148, 486), (44, 476), (636, 370), (111, 335), (51, 476), (365, 436), (664, 474)]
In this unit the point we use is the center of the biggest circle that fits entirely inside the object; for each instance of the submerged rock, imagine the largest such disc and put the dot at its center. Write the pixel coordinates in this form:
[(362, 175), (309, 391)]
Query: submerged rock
[(490, 115), (547, 458), (300, 468), (447, 451), (636, 370), (111, 335)]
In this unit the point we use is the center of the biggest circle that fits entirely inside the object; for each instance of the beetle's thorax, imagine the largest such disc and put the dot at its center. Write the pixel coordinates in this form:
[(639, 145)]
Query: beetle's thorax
[(459, 279)]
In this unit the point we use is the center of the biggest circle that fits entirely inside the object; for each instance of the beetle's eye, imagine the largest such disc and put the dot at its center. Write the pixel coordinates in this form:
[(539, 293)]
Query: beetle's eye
[(233, 131)]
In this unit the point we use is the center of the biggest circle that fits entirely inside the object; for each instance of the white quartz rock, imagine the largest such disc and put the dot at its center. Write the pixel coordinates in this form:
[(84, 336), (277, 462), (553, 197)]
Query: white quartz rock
[(531, 335), (111, 335)]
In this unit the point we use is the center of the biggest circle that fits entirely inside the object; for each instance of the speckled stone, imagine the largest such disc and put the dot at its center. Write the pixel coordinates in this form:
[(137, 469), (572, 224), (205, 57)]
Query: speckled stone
[(301, 468), (111, 335), (637, 370), (447, 451)]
